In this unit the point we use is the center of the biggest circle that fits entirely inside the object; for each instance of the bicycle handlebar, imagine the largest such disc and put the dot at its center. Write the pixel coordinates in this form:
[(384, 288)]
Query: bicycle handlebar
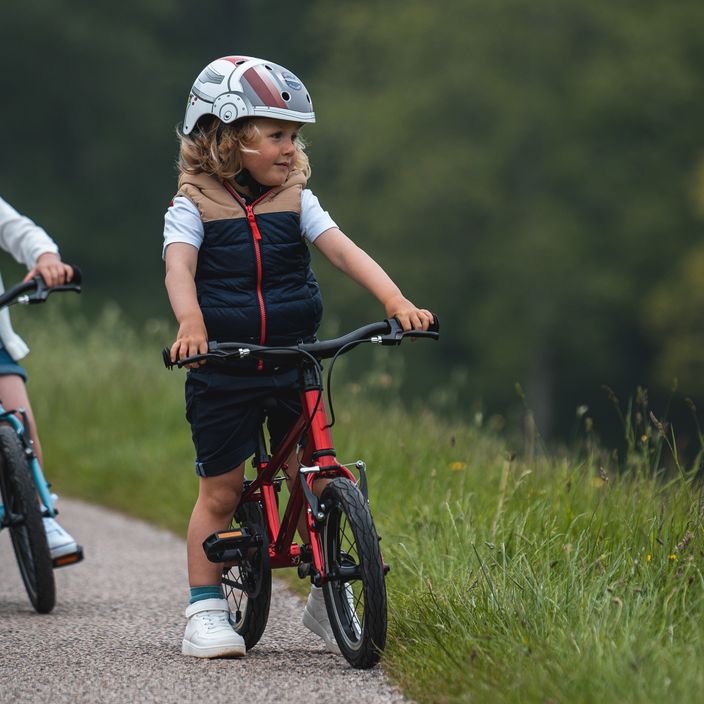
[(41, 290), (385, 332)]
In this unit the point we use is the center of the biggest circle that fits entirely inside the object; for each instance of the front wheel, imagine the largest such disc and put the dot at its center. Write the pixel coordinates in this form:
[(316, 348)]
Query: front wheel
[(355, 591), (24, 519)]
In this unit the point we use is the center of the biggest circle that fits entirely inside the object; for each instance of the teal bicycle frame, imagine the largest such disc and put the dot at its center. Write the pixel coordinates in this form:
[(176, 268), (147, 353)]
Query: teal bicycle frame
[(37, 474)]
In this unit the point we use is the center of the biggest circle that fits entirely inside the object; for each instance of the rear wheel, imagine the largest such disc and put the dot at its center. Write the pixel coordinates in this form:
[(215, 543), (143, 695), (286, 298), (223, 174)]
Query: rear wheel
[(248, 585), (24, 519), (355, 594)]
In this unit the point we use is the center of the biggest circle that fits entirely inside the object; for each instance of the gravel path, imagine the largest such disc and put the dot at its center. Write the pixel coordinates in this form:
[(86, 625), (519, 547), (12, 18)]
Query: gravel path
[(115, 634)]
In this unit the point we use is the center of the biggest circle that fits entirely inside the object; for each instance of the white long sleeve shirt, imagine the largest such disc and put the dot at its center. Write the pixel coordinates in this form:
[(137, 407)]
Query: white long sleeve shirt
[(25, 241)]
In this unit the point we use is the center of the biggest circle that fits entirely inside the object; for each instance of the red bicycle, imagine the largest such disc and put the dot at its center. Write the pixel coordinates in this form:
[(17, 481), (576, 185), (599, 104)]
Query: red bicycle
[(343, 555)]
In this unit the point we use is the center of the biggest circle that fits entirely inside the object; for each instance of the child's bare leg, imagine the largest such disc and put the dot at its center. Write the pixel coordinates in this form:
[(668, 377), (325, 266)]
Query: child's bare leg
[(13, 394), (217, 500)]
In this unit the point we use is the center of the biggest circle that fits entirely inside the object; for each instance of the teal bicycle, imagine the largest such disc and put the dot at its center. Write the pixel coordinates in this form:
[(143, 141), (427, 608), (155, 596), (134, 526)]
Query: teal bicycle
[(24, 491)]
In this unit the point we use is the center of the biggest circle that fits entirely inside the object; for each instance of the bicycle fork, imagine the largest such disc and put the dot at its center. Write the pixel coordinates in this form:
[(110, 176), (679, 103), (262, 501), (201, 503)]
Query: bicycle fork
[(40, 482), (312, 562)]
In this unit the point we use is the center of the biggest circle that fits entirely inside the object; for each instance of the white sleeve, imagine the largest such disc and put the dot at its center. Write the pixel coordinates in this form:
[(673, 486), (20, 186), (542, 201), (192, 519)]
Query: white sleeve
[(19, 236), (314, 220), (182, 223)]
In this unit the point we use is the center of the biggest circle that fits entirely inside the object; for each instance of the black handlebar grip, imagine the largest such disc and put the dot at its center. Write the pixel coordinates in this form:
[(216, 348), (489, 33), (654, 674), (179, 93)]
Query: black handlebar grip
[(77, 275), (166, 356)]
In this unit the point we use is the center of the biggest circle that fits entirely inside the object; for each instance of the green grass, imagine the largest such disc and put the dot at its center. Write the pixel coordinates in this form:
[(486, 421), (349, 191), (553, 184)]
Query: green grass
[(554, 580)]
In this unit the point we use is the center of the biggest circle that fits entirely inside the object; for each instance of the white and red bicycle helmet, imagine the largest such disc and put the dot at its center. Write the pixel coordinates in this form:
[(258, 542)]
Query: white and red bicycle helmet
[(234, 87)]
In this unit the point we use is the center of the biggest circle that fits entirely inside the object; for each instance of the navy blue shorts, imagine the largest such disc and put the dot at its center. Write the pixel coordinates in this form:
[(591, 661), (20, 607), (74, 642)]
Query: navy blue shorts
[(226, 411), (9, 366)]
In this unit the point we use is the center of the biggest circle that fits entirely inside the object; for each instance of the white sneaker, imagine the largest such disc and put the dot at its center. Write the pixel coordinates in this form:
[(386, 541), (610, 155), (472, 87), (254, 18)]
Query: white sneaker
[(209, 633), (62, 546), (350, 600), (315, 618)]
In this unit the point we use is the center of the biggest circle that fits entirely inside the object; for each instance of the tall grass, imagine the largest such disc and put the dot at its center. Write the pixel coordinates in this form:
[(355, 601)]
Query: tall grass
[(513, 580)]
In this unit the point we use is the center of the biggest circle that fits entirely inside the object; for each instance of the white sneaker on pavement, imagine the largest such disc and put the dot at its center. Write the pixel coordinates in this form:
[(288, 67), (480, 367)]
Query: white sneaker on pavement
[(315, 618), (209, 633), (61, 543)]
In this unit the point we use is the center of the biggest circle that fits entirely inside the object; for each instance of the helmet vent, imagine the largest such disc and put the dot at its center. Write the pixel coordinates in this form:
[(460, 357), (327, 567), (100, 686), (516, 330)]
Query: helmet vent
[(308, 97), (239, 63), (286, 96), (268, 68)]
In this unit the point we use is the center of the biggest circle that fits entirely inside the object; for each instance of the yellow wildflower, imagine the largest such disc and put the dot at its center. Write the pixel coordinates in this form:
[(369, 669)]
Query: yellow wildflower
[(457, 466)]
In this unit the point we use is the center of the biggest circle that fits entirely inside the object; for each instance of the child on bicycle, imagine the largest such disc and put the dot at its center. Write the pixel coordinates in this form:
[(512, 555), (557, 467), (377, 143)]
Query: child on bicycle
[(30, 245), (238, 268)]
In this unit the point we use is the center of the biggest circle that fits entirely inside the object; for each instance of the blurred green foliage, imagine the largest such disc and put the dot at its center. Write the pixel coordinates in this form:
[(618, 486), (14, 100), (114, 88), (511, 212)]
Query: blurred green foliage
[(514, 577), (529, 171)]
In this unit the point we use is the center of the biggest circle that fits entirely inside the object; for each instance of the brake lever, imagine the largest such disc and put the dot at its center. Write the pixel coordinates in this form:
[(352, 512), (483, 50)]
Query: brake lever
[(397, 333), (180, 363), (42, 291), (66, 287)]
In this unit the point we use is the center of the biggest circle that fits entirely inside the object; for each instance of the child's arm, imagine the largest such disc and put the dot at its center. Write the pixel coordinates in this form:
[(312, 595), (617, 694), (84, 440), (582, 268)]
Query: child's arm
[(181, 260), (29, 244), (360, 267)]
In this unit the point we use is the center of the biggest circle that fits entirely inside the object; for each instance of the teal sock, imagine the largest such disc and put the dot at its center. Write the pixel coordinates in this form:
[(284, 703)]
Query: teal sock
[(213, 591)]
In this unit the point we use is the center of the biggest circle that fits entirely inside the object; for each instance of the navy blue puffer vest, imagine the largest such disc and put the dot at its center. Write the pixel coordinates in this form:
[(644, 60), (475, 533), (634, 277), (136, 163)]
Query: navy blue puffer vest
[(254, 281)]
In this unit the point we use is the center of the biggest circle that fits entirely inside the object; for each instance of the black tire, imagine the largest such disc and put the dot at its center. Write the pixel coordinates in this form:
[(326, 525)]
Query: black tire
[(23, 515), (356, 596), (248, 585)]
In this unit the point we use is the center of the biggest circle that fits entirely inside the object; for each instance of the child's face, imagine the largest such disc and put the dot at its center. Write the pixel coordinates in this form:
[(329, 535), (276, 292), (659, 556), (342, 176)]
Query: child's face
[(275, 149)]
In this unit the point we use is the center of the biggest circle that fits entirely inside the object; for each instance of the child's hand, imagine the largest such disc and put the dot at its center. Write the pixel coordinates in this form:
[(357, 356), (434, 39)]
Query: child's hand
[(192, 339), (50, 267), (410, 317)]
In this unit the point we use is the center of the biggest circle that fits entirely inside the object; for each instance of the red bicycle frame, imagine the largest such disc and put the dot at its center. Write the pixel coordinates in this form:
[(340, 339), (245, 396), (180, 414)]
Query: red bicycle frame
[(317, 454), (317, 461)]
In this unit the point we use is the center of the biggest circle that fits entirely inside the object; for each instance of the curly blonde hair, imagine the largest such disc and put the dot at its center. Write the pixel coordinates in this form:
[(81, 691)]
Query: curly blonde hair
[(215, 148)]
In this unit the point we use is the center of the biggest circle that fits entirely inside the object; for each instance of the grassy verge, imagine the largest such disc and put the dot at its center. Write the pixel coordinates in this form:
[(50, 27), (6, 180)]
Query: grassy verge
[(556, 580)]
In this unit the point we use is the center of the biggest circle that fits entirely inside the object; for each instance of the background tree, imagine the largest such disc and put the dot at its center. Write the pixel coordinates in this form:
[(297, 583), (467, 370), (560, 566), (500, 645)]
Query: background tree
[(525, 170)]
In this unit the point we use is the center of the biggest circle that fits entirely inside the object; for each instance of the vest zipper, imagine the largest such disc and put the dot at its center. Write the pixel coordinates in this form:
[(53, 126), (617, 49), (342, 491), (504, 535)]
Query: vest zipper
[(256, 238)]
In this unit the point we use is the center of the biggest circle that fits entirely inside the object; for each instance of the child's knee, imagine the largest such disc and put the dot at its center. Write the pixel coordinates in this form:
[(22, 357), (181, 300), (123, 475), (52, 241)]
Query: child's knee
[(220, 495), (221, 503)]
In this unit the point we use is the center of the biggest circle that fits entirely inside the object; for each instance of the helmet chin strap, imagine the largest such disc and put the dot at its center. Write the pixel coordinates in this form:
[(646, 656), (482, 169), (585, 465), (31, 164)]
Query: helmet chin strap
[(245, 179)]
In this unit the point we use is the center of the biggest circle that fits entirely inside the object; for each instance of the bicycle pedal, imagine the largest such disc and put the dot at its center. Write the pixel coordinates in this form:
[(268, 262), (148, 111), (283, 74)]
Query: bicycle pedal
[(70, 559), (305, 566), (229, 545)]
